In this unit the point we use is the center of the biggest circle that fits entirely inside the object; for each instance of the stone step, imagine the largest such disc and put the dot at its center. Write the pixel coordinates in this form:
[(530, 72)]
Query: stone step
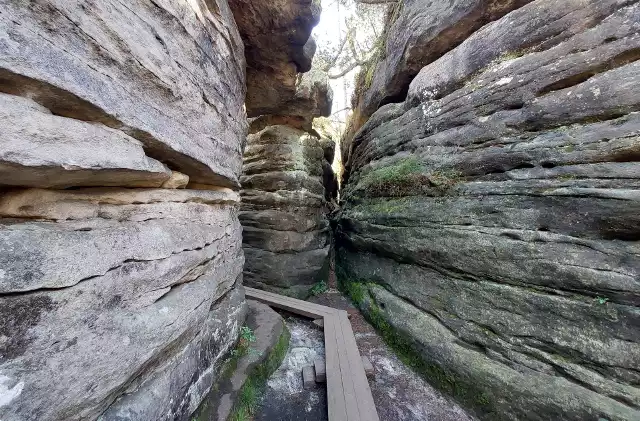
[(321, 371), (368, 367), (308, 377)]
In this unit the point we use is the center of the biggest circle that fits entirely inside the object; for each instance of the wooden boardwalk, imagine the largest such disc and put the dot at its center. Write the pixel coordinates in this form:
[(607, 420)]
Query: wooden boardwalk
[(348, 393)]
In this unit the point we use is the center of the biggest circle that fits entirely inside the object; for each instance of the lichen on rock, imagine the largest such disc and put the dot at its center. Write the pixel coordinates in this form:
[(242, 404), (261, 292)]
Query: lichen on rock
[(492, 214)]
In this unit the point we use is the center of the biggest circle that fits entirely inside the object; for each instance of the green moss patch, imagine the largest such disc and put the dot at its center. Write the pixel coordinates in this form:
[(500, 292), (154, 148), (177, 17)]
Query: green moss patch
[(249, 395), (407, 177), (408, 352)]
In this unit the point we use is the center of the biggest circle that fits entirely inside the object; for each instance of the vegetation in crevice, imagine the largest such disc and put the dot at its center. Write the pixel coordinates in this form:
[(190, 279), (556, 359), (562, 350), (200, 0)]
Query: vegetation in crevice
[(249, 395), (408, 351), (407, 177), (319, 288), (364, 78)]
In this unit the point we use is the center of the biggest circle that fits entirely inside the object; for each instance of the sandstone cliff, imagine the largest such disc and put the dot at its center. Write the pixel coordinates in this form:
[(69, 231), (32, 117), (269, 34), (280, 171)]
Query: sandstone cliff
[(286, 232), (119, 294), (492, 206)]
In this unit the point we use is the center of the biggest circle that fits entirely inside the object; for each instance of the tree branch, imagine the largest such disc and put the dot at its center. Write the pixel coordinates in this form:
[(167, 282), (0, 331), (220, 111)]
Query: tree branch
[(334, 59), (346, 70)]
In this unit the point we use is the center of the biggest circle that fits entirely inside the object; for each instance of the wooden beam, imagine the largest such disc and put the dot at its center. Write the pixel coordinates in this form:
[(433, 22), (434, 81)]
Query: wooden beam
[(348, 393)]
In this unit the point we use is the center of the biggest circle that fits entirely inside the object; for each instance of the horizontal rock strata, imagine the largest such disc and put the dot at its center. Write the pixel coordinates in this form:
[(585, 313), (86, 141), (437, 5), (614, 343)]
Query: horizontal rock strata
[(492, 218), (285, 231), (122, 64), (120, 245)]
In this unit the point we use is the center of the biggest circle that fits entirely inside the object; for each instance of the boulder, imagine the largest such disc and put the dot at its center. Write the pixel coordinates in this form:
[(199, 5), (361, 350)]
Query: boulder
[(286, 233), (491, 219), (168, 73), (278, 45)]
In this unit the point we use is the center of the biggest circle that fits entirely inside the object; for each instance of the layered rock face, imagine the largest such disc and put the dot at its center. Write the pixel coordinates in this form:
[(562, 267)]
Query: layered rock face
[(286, 232), (119, 295), (279, 46), (492, 218), (419, 31)]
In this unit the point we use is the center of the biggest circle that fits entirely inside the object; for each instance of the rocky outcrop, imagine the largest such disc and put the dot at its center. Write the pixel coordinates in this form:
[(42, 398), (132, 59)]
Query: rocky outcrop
[(419, 31), (491, 219), (119, 296), (278, 45), (286, 233)]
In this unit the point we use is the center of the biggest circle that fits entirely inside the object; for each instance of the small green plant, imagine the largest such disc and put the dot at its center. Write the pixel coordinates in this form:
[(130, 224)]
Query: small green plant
[(246, 338), (407, 178), (601, 300), (319, 288), (247, 334)]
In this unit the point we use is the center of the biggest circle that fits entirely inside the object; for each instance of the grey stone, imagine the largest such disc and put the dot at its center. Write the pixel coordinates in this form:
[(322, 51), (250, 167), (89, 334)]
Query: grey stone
[(368, 367), (493, 215), (286, 232), (308, 377), (115, 299), (47, 254), (39, 149), (320, 370), (170, 74), (419, 32)]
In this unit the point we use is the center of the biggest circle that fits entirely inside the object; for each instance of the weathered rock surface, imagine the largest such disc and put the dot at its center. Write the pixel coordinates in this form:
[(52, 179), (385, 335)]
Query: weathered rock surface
[(131, 299), (42, 150), (493, 216), (286, 233), (419, 31), (311, 97), (278, 45), (168, 73), (120, 296)]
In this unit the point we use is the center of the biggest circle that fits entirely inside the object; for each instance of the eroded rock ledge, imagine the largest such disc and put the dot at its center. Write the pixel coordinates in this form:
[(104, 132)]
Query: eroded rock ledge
[(121, 295), (492, 218), (278, 46)]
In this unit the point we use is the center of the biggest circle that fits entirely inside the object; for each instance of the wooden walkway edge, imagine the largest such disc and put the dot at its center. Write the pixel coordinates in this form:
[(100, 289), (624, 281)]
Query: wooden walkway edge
[(348, 392)]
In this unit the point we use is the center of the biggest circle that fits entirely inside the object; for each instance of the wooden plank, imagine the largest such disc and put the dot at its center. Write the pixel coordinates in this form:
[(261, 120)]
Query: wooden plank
[(348, 392), (289, 304), (353, 412), (335, 394), (364, 399), (293, 305)]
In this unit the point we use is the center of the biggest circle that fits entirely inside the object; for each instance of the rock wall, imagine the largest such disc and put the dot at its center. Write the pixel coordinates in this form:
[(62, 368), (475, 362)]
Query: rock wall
[(491, 219), (286, 234), (279, 46), (119, 294)]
